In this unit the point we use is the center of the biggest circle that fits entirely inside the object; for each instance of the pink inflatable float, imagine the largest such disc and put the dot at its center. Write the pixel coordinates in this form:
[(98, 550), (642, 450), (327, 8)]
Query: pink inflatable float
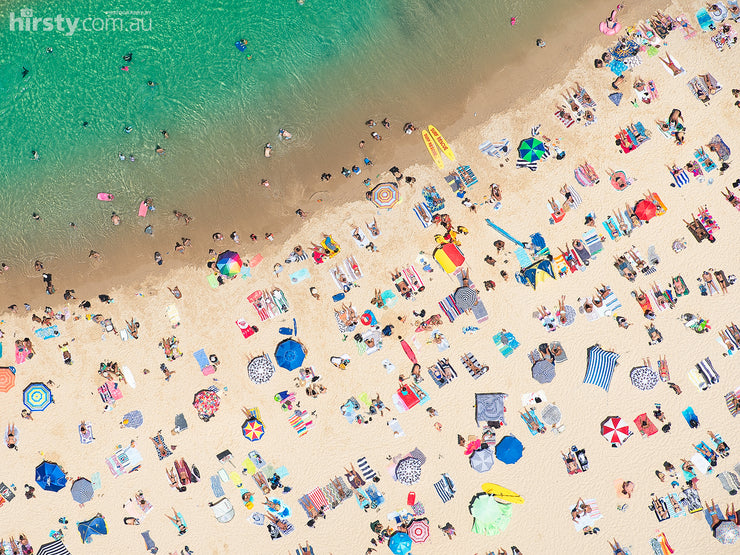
[(611, 26)]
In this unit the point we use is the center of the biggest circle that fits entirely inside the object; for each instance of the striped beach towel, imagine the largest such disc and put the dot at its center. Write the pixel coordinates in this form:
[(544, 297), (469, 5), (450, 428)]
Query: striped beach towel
[(593, 242), (680, 177), (732, 401), (445, 488), (413, 278), (425, 216), (575, 198), (299, 425), (218, 491), (521, 163), (611, 304), (671, 509), (450, 308), (318, 498), (523, 257), (566, 122), (600, 367), (367, 473)]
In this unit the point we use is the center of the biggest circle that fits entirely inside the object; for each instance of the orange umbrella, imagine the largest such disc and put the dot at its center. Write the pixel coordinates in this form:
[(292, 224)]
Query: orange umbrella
[(7, 379)]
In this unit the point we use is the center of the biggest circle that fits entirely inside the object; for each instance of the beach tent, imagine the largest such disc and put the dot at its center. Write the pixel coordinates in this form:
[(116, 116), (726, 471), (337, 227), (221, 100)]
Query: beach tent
[(290, 354), (81, 490), (50, 476), (89, 528), (37, 396), (223, 510), (482, 460), (449, 257), (53, 548), (489, 407), (399, 543), (536, 273), (229, 263), (7, 378), (489, 516), (509, 450), (615, 430), (124, 460), (600, 367)]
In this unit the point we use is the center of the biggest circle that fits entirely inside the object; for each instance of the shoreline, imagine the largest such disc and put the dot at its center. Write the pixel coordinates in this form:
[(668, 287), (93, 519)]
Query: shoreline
[(125, 260)]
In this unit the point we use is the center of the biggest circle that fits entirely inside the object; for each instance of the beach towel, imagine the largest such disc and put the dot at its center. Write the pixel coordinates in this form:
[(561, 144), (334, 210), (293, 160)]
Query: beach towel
[(425, 216), (300, 275), (506, 343), (645, 426), (593, 242), (360, 238), (216, 487), (202, 359), (172, 315), (21, 354), (522, 163), (367, 473), (47, 333), (494, 149), (731, 399), (450, 308), (86, 437), (600, 367), (589, 519), (523, 257), (669, 70), (318, 498), (161, 447), (212, 280), (395, 427)]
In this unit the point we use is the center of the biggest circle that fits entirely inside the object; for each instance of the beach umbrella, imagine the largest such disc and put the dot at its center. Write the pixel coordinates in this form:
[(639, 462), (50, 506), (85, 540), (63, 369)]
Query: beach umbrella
[(132, 419), (482, 460), (399, 543), (7, 379), (290, 354), (465, 297), (37, 396), (615, 430), (50, 476), (253, 429), (644, 378), (89, 528), (229, 263), (54, 548), (418, 530), (490, 516), (543, 371), (645, 210), (408, 471), (727, 532), (531, 149), (385, 195), (206, 402), (509, 450), (260, 369), (82, 490)]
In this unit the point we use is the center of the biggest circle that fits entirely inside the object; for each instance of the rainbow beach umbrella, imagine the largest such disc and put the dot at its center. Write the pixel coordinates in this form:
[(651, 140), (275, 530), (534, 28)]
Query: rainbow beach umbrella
[(37, 397), (385, 195), (229, 263), (253, 429)]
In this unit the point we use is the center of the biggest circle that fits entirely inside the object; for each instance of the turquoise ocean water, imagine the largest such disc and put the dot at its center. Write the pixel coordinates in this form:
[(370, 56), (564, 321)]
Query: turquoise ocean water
[(311, 67)]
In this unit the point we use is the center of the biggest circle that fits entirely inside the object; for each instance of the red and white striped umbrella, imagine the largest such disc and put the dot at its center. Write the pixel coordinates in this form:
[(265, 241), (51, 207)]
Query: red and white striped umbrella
[(615, 430), (418, 530)]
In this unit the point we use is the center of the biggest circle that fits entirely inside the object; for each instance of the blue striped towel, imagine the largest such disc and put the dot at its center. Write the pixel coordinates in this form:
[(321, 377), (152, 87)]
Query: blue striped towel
[(445, 488), (367, 472)]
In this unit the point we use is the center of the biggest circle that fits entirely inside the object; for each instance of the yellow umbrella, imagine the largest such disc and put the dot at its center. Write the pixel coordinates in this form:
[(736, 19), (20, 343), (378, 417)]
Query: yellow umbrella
[(502, 494)]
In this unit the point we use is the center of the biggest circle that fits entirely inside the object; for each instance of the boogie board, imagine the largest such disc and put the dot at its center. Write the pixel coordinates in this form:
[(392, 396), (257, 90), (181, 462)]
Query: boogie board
[(433, 150), (441, 143), (129, 375), (143, 209), (105, 196), (240, 46), (502, 493)]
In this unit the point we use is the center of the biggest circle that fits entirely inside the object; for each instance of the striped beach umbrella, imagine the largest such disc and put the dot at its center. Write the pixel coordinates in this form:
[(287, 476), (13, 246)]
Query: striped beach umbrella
[(543, 371), (531, 149), (615, 430), (385, 195), (7, 379), (465, 298), (418, 530), (229, 263), (82, 490), (54, 548), (253, 429), (37, 396)]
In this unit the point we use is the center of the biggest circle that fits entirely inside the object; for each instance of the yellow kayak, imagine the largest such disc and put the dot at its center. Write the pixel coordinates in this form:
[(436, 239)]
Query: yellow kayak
[(441, 143), (433, 150), (502, 493)]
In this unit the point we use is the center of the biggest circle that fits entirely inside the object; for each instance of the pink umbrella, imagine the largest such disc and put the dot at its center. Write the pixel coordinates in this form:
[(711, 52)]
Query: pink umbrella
[(409, 351)]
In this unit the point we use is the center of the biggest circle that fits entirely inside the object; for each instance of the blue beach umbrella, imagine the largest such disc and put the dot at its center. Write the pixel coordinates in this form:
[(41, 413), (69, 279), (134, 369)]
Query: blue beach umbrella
[(37, 396), (531, 149), (509, 450), (400, 543), (82, 490), (50, 476), (89, 528), (290, 354)]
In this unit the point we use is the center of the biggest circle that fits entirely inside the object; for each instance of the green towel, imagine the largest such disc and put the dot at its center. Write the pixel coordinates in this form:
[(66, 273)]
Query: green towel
[(365, 398), (212, 280)]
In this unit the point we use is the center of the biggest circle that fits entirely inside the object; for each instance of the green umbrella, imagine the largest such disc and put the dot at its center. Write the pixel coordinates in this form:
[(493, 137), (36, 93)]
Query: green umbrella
[(490, 516), (531, 149)]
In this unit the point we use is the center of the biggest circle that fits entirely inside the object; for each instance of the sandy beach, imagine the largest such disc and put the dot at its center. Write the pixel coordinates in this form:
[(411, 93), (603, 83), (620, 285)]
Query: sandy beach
[(208, 318)]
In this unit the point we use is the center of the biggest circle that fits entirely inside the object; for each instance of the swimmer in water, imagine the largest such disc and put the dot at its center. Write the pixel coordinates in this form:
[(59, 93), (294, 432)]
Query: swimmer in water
[(268, 150), (386, 123), (159, 150), (121, 157), (131, 157), (151, 83), (128, 129), (165, 134), (128, 57), (24, 72), (36, 216), (85, 123), (124, 68), (285, 135), (375, 136), (34, 155), (115, 218), (49, 50)]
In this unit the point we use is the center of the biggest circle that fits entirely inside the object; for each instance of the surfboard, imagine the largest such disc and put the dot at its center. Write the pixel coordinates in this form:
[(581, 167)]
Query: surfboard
[(143, 208), (433, 150), (105, 197), (441, 143), (502, 493), (129, 375)]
